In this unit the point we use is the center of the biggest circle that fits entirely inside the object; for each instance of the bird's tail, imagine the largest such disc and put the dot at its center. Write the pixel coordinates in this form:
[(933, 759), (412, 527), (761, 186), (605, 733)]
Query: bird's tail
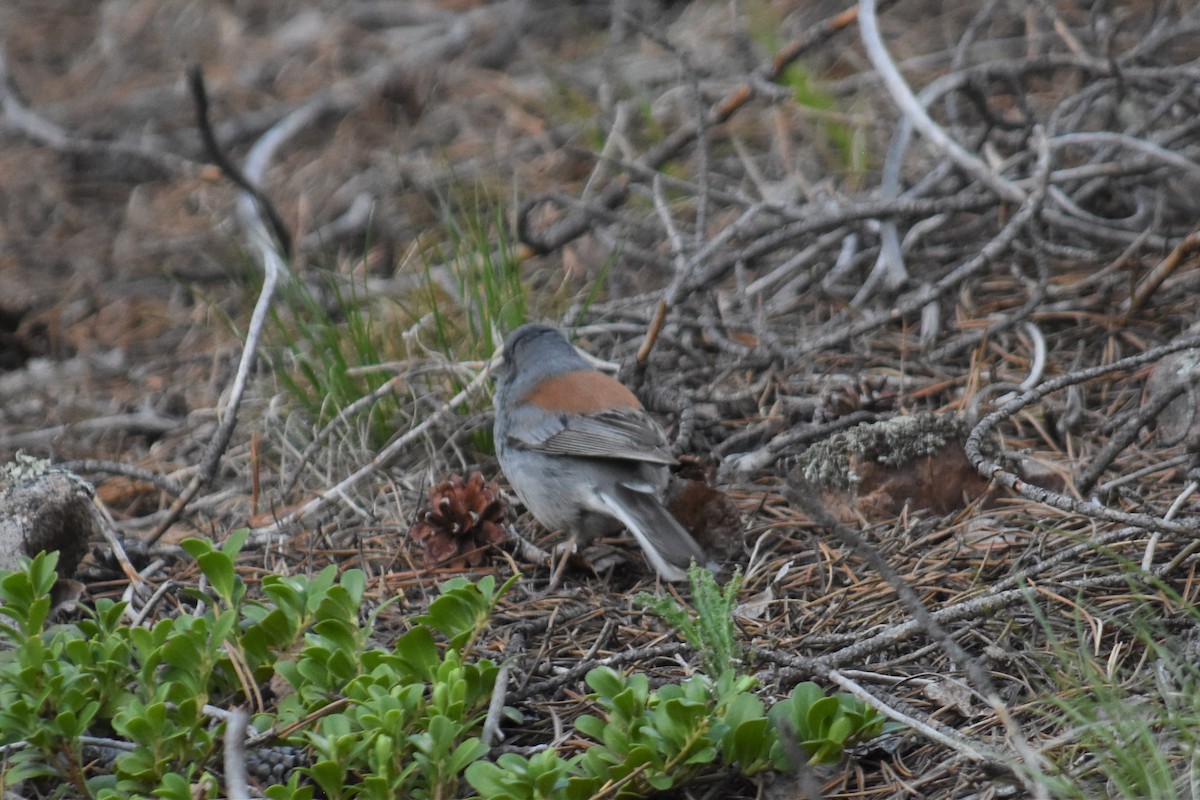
[(668, 545)]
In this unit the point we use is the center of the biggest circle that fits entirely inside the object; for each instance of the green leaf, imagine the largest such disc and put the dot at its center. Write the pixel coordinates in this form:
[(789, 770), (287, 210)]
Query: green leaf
[(659, 780), (292, 790), (583, 787), (826, 752), (606, 681), (549, 772), (354, 581), (174, 787), (275, 630), (74, 723), (490, 780), (750, 744), (466, 753), (17, 772), (710, 628), (804, 695), (590, 726), (418, 652), (216, 565), (456, 615), (680, 721), (329, 776), (820, 717), (339, 634), (840, 729), (234, 541), (704, 755)]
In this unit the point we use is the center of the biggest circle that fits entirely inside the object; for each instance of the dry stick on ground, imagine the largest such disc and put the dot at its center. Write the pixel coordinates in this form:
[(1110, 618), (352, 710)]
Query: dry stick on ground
[(107, 527), (913, 110), (237, 787), (347, 413), (113, 152), (526, 550), (971, 34), (891, 257), (1148, 148), (584, 667), (615, 193), (1000, 594), (699, 120), (1180, 499), (890, 263), (900, 711), (974, 609), (131, 471), (796, 668), (491, 734), (1006, 321), (781, 235), (977, 608), (796, 274), (960, 81), (1124, 437), (681, 272), (275, 531), (684, 266), (989, 469), (1163, 270), (137, 617), (283, 237), (914, 301), (801, 493), (1104, 489), (274, 268), (145, 421)]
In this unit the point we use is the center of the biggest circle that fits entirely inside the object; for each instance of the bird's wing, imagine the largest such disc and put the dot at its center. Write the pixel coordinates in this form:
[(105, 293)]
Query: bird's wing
[(626, 433)]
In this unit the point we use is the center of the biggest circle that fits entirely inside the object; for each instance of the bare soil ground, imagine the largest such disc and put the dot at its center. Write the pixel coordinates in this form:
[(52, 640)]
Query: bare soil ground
[(746, 163)]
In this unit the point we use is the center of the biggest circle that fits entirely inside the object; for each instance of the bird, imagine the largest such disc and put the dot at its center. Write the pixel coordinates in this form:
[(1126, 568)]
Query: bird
[(581, 452)]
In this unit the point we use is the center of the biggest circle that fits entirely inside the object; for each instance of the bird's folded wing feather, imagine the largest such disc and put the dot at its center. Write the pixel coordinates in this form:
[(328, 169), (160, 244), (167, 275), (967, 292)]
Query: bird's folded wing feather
[(627, 433)]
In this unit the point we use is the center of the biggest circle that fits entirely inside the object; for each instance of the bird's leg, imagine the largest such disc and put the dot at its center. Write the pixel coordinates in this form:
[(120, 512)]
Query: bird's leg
[(568, 549)]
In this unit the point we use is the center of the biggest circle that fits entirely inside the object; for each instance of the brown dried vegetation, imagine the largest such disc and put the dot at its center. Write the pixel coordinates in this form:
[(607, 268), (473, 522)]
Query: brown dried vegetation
[(819, 271)]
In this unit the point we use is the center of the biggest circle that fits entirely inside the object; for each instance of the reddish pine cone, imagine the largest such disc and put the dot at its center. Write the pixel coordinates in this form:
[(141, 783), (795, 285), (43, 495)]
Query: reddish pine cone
[(463, 521)]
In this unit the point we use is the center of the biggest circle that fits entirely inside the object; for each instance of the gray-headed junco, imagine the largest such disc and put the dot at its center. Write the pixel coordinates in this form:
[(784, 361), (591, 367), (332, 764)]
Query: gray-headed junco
[(582, 453)]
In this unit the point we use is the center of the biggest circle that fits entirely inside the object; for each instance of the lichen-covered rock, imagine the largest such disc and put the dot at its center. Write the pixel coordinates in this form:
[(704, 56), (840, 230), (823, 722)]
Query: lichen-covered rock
[(43, 508), (1177, 374), (874, 470)]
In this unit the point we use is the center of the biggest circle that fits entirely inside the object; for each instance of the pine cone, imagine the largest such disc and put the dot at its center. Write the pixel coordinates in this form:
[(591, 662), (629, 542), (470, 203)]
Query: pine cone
[(463, 521)]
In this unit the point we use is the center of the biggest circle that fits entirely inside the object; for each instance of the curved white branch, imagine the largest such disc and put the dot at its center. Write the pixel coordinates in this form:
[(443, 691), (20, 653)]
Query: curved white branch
[(903, 95)]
